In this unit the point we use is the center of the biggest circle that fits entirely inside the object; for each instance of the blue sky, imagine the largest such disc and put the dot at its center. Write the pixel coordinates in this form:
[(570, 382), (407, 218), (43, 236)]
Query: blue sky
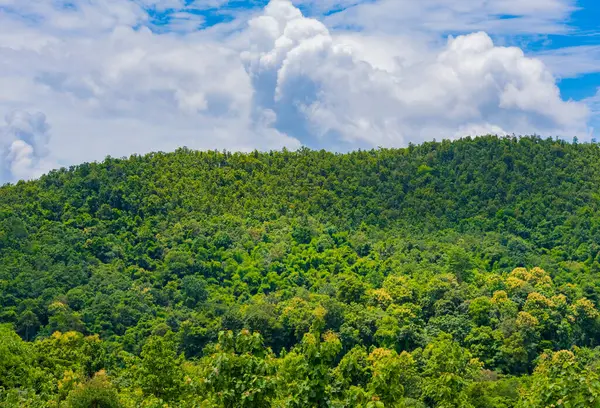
[(585, 25), (83, 79)]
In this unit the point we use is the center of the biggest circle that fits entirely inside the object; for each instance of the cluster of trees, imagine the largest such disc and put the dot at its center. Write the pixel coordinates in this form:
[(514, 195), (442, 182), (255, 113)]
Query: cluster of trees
[(452, 274)]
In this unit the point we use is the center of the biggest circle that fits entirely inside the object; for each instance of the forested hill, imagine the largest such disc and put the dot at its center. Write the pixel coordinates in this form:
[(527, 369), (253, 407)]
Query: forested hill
[(442, 184), (452, 274)]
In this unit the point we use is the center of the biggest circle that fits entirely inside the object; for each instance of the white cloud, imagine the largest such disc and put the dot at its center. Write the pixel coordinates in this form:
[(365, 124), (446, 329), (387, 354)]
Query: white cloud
[(110, 85), (306, 73), (82, 16), (574, 61), (594, 103), (128, 91), (23, 145), (497, 17)]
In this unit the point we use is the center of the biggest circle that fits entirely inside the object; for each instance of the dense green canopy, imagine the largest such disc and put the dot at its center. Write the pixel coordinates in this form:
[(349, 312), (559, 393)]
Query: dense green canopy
[(452, 274)]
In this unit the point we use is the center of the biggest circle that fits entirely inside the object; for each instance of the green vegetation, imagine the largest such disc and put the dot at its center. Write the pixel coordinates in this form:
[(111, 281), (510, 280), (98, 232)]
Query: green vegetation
[(452, 274)]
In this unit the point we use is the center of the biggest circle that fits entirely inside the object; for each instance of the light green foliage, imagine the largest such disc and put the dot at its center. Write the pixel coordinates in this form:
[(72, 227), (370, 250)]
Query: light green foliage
[(161, 372), (241, 372), (448, 369), (561, 380), (307, 372), (96, 393)]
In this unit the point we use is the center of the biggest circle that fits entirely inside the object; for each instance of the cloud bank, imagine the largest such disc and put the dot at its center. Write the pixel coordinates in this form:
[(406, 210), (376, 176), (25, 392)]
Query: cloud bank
[(108, 81)]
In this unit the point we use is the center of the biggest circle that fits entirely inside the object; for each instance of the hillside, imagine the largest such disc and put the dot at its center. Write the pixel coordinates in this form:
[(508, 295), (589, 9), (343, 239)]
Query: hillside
[(449, 274)]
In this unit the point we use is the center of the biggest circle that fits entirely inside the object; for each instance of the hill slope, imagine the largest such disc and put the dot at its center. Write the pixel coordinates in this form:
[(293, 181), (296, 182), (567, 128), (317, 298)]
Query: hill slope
[(436, 275)]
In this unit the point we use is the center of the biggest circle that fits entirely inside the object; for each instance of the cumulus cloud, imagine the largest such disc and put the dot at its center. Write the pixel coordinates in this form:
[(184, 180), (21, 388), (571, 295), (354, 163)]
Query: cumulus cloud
[(132, 90), (110, 82), (304, 73), (23, 145)]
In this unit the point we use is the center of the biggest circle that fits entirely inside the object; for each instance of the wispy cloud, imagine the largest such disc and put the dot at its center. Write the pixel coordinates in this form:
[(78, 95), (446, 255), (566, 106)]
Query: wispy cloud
[(495, 17), (573, 61)]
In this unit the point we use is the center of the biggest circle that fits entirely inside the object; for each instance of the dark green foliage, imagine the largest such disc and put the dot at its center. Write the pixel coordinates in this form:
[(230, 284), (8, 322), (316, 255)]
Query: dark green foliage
[(15, 360), (194, 290)]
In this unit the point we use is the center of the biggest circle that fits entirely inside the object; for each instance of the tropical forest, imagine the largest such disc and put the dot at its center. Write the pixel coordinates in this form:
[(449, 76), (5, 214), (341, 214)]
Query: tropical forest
[(452, 274)]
